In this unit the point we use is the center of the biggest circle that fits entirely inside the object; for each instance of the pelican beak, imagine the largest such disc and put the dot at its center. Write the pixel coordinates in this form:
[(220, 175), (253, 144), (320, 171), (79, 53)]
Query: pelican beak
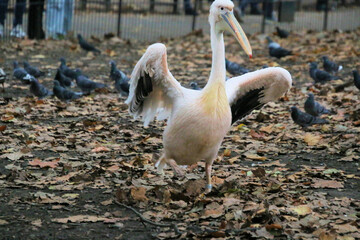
[(235, 28)]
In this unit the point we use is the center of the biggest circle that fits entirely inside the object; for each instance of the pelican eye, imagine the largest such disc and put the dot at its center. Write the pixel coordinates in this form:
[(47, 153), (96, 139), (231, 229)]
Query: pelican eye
[(222, 8)]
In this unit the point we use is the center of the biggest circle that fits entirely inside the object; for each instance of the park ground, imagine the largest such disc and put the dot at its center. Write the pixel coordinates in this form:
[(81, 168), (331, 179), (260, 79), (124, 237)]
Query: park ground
[(65, 167)]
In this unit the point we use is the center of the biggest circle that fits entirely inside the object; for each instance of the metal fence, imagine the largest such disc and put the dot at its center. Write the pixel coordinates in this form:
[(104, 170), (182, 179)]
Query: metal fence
[(149, 20)]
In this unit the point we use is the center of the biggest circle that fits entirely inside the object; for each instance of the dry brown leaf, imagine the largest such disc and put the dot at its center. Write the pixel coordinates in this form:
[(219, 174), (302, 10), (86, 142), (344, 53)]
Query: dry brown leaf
[(138, 194), (38, 162), (320, 183), (302, 210), (311, 139)]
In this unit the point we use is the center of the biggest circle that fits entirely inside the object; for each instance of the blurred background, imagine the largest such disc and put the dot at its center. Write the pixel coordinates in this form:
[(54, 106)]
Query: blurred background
[(149, 20)]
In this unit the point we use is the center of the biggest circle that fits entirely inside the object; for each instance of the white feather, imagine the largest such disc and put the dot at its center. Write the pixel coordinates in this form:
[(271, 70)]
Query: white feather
[(275, 80)]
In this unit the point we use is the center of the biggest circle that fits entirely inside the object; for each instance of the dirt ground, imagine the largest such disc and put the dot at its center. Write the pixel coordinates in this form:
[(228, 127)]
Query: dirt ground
[(64, 166)]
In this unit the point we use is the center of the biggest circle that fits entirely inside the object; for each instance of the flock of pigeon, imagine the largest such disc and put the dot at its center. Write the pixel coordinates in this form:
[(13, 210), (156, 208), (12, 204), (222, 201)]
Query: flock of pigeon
[(63, 80)]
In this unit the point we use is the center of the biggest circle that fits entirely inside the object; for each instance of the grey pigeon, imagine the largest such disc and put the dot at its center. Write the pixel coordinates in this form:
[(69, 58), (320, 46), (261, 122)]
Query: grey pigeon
[(356, 78), (21, 74), (275, 50), (313, 107), (86, 46), (282, 33), (234, 68), (194, 86), (38, 89), (318, 75), (63, 80), (66, 70), (2, 78), (329, 66), (121, 80), (64, 94), (85, 84), (33, 71), (304, 119)]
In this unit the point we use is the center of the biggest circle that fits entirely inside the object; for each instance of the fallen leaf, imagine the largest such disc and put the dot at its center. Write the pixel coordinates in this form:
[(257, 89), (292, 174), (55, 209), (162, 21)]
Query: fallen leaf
[(320, 183), (302, 210), (311, 139), (138, 194), (100, 149), (38, 162)]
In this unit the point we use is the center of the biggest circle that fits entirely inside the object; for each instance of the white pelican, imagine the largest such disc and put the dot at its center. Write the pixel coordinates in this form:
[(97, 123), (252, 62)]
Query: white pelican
[(199, 120)]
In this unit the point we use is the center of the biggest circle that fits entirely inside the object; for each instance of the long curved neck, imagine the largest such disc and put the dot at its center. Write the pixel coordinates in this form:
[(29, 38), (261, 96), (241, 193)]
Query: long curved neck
[(218, 72), (214, 95)]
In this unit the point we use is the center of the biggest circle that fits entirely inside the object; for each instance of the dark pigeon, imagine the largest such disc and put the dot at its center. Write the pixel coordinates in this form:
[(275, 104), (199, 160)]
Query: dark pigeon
[(33, 71), (329, 66), (194, 86), (318, 75), (282, 33), (2, 78), (66, 70), (21, 74), (356, 78), (86, 46), (64, 81), (38, 89), (234, 68), (304, 119), (85, 84), (64, 94), (275, 50), (121, 80), (313, 107)]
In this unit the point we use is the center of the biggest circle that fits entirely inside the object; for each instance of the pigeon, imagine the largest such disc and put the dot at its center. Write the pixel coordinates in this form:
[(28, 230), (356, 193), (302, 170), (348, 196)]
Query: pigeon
[(33, 71), (318, 75), (2, 78), (21, 74), (304, 119), (86, 46), (194, 86), (282, 33), (356, 78), (329, 66), (234, 68), (64, 94), (313, 107), (85, 84), (121, 80), (66, 70), (64, 81), (38, 89), (275, 50)]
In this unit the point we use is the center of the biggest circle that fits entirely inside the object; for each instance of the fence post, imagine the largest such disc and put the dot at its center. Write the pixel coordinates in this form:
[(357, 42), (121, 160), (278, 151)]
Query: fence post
[(326, 11), (119, 19), (194, 15), (264, 16), (83, 4)]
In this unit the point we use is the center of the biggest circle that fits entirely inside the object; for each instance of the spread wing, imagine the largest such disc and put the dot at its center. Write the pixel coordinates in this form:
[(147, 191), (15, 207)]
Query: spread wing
[(152, 86), (253, 90)]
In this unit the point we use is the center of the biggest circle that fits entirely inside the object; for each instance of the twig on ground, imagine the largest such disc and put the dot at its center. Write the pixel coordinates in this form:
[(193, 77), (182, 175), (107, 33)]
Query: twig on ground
[(143, 219)]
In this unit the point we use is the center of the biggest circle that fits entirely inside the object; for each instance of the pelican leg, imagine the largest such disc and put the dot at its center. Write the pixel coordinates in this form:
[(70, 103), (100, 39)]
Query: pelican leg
[(160, 164), (208, 167), (178, 171)]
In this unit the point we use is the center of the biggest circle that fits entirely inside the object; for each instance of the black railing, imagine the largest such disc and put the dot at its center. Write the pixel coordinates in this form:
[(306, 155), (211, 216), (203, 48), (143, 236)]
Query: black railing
[(150, 19)]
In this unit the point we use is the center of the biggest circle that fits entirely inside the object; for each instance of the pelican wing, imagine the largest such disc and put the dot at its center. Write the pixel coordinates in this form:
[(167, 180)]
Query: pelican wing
[(253, 90), (152, 86)]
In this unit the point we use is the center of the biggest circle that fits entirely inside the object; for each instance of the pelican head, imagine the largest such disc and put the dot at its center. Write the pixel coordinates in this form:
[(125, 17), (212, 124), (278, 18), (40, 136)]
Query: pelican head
[(222, 19)]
